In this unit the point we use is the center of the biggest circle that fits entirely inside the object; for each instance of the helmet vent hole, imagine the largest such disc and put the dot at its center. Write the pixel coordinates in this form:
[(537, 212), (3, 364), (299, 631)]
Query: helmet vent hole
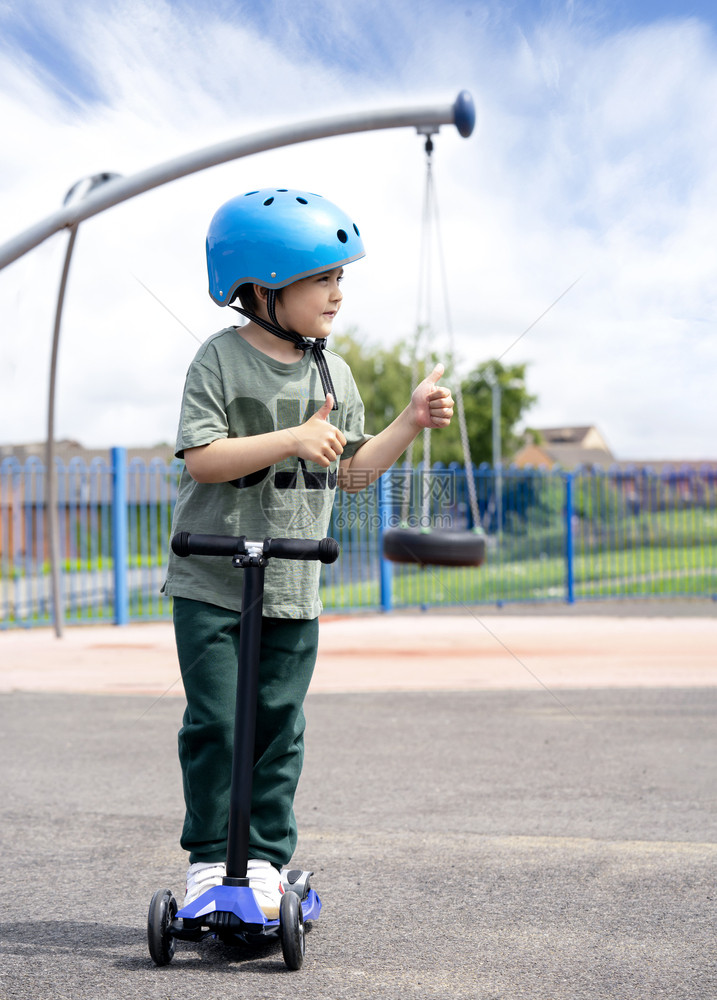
[(282, 190), (356, 229), (342, 236), (302, 201), (268, 201)]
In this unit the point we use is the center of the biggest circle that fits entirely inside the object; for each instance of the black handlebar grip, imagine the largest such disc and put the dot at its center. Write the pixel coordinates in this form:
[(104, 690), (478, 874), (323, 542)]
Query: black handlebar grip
[(186, 544), (326, 550), (179, 543)]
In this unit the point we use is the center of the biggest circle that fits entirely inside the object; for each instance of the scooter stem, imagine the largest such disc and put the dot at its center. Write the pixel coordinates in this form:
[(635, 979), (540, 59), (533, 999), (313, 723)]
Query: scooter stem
[(245, 718)]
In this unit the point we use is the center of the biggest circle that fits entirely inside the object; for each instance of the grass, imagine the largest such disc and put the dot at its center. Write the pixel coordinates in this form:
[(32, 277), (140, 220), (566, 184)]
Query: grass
[(662, 571)]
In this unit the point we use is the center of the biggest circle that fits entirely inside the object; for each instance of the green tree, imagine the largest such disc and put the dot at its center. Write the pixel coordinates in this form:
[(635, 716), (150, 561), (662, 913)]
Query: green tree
[(515, 401), (384, 379)]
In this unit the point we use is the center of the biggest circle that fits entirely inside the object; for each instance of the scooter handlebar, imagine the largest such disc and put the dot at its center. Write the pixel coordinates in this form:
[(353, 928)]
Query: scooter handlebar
[(186, 544), (326, 550)]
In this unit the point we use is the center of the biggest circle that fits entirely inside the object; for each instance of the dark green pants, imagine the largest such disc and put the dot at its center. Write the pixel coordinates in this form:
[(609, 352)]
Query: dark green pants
[(207, 645)]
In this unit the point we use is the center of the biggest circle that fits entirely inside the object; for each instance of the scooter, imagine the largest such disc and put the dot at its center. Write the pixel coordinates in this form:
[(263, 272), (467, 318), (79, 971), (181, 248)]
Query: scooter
[(229, 911)]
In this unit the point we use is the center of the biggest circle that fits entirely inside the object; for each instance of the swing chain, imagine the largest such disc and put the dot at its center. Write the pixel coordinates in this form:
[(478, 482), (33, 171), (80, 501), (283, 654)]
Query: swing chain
[(423, 311), (431, 223)]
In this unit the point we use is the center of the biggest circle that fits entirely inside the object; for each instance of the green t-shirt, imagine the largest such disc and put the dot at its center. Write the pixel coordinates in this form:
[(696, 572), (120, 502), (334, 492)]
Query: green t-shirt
[(234, 390)]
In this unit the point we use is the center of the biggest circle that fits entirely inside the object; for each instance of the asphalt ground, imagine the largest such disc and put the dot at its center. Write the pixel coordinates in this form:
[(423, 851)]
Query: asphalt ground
[(538, 840)]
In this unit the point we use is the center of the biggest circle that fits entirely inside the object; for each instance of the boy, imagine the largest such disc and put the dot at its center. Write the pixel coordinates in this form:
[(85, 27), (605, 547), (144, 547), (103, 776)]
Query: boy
[(266, 434)]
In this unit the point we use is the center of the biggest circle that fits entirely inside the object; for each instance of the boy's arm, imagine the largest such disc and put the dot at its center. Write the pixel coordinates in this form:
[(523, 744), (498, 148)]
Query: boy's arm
[(226, 459), (431, 406)]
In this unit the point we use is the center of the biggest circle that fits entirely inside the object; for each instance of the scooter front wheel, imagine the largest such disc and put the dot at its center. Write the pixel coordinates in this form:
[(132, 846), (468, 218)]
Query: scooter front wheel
[(162, 911), (291, 930)]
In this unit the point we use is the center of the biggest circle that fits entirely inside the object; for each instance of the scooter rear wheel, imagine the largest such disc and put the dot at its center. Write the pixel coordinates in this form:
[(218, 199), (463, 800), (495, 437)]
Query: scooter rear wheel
[(162, 911), (291, 930)]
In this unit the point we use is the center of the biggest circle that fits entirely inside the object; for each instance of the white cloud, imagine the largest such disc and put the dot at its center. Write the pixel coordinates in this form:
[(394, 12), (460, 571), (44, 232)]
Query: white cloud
[(591, 158)]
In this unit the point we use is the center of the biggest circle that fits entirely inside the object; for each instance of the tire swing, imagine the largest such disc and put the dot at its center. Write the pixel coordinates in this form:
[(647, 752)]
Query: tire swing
[(425, 545)]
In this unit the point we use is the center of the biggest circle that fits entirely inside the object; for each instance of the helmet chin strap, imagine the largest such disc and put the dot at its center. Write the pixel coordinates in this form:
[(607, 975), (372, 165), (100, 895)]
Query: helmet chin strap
[(271, 298), (316, 346)]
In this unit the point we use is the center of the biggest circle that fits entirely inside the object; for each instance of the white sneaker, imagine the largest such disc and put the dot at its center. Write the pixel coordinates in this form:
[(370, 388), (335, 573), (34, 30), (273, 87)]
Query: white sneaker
[(265, 882), (201, 876)]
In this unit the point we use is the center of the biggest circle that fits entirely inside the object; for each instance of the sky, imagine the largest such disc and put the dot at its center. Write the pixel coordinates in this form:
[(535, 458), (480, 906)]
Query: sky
[(585, 196)]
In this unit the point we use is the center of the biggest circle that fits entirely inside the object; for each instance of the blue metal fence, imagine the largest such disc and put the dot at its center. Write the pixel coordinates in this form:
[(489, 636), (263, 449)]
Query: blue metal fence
[(551, 536)]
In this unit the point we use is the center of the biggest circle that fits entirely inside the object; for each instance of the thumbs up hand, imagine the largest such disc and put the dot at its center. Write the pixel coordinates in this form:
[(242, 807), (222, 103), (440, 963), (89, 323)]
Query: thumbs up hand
[(317, 440), (326, 408), (432, 404)]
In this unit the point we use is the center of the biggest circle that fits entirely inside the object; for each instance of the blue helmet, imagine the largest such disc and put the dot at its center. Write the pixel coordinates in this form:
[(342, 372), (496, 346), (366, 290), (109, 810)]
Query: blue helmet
[(276, 236)]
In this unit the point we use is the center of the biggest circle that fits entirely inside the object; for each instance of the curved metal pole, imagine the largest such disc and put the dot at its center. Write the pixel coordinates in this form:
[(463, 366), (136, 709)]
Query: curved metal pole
[(53, 527), (461, 114)]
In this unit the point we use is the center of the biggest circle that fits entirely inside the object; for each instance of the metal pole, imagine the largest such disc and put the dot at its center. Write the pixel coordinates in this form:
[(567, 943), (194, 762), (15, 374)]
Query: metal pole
[(461, 114), (53, 521), (120, 534), (385, 509), (497, 456), (569, 551), (491, 377)]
